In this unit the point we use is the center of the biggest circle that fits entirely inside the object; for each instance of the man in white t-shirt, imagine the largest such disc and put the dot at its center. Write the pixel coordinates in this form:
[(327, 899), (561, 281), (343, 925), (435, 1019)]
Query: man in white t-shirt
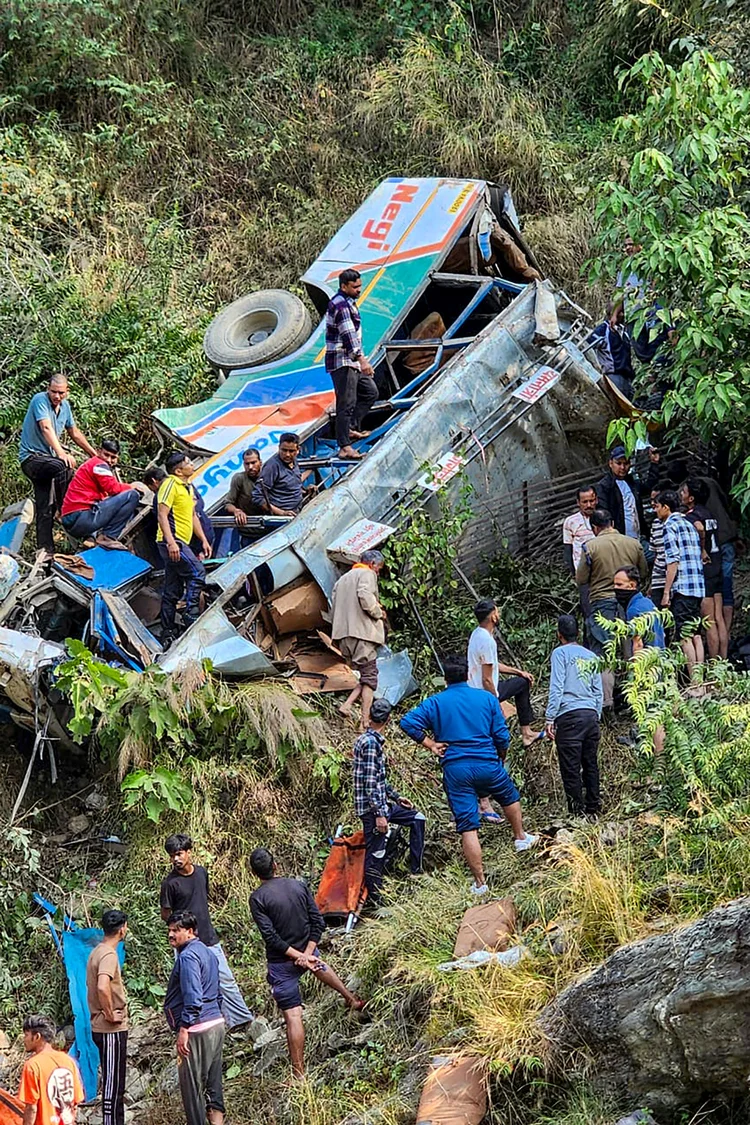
[(577, 528)]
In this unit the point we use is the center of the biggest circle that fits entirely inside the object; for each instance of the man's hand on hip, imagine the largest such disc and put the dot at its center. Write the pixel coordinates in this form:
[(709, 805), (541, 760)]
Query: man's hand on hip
[(381, 824)]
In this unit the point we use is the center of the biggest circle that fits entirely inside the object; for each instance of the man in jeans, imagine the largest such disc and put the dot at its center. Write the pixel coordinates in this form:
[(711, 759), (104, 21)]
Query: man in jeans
[(573, 712), (97, 503), (178, 523), (350, 371), (186, 889), (193, 1009), (379, 805), (43, 457), (109, 1014)]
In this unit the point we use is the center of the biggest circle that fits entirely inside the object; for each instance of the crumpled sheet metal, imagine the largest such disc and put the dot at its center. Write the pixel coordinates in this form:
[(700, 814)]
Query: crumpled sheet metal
[(21, 659), (214, 638)]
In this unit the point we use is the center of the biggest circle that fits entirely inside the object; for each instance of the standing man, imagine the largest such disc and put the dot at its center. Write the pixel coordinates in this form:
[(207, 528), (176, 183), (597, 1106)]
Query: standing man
[(351, 373), (290, 924), (621, 496), (240, 503), (97, 503), (178, 523), (379, 805), (605, 554), (186, 889), (471, 738), (193, 1009), (278, 489), (574, 709), (577, 528), (485, 668), (43, 457), (50, 1086), (684, 586), (109, 1014), (694, 495), (358, 627)]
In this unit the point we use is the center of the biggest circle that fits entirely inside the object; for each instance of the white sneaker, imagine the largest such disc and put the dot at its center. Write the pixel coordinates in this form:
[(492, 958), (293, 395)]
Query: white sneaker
[(475, 890), (527, 842)]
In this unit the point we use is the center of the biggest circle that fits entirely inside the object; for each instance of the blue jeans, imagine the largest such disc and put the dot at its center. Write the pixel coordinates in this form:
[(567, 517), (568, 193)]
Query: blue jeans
[(233, 1007), (188, 574), (108, 517), (375, 854), (727, 572)]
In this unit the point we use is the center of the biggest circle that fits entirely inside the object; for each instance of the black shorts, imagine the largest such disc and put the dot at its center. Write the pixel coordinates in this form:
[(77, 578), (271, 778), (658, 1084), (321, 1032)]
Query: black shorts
[(685, 608), (714, 585)]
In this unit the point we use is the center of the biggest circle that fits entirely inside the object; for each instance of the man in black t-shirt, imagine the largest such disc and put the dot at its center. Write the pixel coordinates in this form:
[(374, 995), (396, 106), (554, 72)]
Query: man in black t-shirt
[(694, 495), (186, 889), (290, 924)]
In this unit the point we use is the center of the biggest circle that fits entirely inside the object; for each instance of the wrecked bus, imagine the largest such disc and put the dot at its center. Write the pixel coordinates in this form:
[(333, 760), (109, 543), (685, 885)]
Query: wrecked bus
[(480, 372)]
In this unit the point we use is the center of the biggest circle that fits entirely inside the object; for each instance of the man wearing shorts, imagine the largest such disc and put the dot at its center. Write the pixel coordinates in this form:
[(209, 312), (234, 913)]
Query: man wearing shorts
[(694, 496), (684, 587), (471, 736), (290, 924), (358, 628)]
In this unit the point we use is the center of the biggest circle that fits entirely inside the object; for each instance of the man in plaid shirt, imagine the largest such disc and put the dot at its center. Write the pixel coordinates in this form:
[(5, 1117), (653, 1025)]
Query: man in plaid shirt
[(379, 805), (684, 587), (350, 371)]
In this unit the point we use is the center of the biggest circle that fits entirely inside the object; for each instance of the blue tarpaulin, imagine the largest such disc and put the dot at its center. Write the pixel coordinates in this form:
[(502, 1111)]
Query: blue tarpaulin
[(77, 945)]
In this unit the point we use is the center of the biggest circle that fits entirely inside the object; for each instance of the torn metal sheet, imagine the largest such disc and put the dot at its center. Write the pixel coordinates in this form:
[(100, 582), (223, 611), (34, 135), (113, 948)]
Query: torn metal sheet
[(22, 658), (214, 638)]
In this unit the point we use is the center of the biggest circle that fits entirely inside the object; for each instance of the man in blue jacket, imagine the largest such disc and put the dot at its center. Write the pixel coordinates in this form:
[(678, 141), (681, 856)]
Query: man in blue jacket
[(193, 1009), (471, 736)]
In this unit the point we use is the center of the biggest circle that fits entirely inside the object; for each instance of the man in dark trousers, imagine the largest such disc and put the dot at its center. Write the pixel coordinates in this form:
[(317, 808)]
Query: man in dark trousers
[(379, 805), (620, 495), (290, 924), (573, 713), (109, 1014), (44, 459), (350, 371), (186, 888), (193, 1009), (178, 524)]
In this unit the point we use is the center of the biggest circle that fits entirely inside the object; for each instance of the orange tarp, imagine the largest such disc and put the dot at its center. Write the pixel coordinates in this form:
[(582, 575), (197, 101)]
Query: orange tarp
[(342, 884), (11, 1110)]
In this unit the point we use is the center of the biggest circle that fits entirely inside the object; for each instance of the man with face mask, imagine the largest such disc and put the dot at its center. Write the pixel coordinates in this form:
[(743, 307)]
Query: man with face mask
[(627, 584)]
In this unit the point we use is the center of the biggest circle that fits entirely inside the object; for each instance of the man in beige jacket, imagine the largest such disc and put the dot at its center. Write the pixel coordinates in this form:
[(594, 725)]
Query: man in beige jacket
[(358, 628)]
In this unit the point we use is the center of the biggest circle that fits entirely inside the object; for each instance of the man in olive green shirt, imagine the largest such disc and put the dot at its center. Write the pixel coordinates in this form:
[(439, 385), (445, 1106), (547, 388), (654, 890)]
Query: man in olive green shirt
[(601, 558), (109, 1014), (240, 503)]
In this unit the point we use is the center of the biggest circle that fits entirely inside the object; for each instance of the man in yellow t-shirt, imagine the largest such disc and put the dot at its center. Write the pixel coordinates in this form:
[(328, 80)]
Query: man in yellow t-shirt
[(178, 524), (50, 1086)]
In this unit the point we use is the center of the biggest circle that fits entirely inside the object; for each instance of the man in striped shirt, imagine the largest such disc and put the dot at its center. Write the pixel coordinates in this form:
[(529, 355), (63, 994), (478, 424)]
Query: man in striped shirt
[(351, 373)]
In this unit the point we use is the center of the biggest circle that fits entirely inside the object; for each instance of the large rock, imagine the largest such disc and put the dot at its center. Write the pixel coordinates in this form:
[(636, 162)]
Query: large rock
[(664, 1020)]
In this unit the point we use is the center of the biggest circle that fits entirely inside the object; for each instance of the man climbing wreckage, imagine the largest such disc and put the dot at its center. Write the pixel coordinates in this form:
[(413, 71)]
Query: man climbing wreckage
[(433, 255)]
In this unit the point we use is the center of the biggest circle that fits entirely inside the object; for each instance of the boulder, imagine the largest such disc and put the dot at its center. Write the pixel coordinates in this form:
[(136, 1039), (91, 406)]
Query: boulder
[(663, 1022)]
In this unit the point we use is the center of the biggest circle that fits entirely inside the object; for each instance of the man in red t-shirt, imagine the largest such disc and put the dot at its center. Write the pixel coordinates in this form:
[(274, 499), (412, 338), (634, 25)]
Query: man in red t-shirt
[(96, 502), (50, 1083)]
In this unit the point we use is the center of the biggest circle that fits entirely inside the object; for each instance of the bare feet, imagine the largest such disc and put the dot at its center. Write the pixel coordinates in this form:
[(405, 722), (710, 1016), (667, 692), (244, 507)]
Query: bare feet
[(359, 434), (344, 711), (349, 453)]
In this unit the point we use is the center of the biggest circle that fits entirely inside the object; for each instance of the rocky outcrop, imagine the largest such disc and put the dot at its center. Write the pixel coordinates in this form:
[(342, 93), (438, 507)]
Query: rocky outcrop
[(664, 1021)]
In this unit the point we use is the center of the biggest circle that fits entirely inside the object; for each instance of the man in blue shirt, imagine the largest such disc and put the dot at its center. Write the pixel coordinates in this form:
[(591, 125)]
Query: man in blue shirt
[(471, 737), (574, 708), (193, 1009), (627, 583), (279, 488), (44, 459)]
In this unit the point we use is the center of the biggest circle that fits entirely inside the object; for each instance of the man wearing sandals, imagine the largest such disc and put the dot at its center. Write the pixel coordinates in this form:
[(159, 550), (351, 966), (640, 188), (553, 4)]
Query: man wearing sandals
[(350, 371), (484, 673), (358, 628)]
